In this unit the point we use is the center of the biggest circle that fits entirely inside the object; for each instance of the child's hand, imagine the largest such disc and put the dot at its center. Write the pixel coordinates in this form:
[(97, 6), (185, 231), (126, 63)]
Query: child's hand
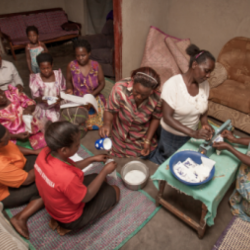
[(110, 167), (58, 100), (36, 152), (101, 158), (228, 135), (69, 91), (23, 136)]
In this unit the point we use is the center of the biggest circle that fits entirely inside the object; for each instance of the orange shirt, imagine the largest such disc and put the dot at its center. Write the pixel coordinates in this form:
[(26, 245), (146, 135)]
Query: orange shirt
[(12, 162)]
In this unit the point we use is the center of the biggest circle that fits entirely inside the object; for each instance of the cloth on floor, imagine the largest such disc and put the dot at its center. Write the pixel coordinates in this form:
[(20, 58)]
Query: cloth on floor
[(111, 231)]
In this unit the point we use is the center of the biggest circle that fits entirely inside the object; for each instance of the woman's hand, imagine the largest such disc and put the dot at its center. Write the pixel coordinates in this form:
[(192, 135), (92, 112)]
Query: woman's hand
[(110, 167), (221, 145), (146, 149), (105, 130), (20, 87), (228, 135), (209, 128), (201, 134), (69, 91), (101, 158)]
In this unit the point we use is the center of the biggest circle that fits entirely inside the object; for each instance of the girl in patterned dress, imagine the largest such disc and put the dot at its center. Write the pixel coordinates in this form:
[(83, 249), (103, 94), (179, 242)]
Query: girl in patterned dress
[(33, 49), (48, 83), (85, 76)]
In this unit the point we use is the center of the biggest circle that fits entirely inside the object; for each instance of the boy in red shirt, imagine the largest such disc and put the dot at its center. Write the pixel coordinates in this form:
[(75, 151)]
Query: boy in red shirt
[(72, 199)]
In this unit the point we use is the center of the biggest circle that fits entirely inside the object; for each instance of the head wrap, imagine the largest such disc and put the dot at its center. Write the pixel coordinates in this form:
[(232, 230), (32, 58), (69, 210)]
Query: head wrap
[(199, 54), (2, 131)]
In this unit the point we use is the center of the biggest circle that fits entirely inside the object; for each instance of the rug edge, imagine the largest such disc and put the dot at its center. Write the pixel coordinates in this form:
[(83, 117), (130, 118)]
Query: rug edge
[(224, 233)]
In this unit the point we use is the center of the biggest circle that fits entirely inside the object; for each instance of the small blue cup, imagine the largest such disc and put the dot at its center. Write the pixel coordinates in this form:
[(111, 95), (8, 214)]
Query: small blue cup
[(103, 143)]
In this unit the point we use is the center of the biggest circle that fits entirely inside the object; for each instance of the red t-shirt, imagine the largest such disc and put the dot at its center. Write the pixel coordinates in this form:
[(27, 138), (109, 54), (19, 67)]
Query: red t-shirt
[(61, 187)]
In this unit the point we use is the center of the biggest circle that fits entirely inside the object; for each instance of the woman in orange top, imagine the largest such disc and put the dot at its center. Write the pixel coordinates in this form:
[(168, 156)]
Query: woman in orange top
[(17, 181)]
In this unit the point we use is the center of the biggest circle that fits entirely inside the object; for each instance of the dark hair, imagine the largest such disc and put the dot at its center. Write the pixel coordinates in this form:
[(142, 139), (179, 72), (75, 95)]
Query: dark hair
[(60, 134), (149, 78), (2, 131), (198, 55), (44, 57), (32, 28), (81, 43)]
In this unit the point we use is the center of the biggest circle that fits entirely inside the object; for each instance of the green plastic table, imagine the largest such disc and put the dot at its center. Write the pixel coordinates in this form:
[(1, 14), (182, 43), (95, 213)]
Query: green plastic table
[(210, 193)]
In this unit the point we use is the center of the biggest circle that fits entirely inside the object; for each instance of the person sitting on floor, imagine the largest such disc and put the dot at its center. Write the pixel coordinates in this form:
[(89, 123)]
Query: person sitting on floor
[(132, 114), (185, 104), (33, 49), (72, 199), (17, 181), (85, 76), (9, 75), (240, 198), (48, 83), (13, 105)]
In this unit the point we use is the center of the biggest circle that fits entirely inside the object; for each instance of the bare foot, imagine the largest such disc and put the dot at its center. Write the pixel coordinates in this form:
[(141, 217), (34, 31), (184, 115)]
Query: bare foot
[(20, 226), (62, 231), (53, 224)]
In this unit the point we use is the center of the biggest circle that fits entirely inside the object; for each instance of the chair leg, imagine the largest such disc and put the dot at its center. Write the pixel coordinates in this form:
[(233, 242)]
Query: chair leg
[(12, 51)]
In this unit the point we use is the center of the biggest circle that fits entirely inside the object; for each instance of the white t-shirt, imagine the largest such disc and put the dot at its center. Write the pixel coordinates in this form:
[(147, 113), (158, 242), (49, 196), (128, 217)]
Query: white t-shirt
[(187, 108)]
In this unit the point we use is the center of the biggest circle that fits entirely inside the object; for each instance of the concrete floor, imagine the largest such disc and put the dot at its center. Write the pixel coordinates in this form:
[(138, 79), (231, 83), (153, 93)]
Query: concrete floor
[(164, 230)]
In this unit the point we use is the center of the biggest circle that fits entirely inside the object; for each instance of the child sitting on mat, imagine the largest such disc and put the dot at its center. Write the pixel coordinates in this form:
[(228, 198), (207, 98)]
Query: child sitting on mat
[(48, 83), (72, 199), (33, 49), (240, 199)]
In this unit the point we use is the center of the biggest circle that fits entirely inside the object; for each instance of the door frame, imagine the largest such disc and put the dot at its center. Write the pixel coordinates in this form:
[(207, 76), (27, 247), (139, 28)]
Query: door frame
[(117, 12)]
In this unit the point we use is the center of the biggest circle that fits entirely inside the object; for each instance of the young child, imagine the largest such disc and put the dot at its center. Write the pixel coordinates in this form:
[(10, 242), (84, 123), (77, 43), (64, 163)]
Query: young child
[(72, 199), (33, 49), (240, 199), (17, 181), (48, 83)]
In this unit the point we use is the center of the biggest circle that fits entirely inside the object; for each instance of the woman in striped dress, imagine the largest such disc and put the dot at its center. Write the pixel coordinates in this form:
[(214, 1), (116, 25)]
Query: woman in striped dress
[(132, 114)]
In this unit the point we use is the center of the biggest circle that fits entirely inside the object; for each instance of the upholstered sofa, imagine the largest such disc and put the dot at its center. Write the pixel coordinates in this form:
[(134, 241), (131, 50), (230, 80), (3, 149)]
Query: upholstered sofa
[(48, 21), (102, 46), (230, 84)]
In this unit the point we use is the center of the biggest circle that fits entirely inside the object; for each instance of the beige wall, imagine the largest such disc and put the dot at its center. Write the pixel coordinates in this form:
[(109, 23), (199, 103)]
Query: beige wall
[(75, 11), (137, 16), (208, 23), (12, 6)]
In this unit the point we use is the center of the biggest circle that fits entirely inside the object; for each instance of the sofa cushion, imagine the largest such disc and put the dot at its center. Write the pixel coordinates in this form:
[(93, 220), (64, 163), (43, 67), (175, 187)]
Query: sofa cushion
[(39, 20), (218, 75), (235, 57), (56, 19), (232, 94), (157, 55), (14, 26), (102, 55)]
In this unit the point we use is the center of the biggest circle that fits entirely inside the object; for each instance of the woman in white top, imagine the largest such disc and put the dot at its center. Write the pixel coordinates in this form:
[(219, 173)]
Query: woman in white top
[(185, 104)]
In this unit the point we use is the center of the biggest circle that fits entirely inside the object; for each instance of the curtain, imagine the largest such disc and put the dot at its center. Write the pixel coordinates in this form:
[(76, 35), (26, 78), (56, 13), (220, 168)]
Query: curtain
[(96, 12)]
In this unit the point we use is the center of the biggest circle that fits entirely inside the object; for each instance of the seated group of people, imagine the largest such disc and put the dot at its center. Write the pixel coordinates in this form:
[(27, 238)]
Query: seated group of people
[(142, 120)]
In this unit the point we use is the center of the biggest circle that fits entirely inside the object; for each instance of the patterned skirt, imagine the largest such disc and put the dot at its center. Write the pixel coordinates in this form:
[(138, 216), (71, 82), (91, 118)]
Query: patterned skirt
[(240, 199)]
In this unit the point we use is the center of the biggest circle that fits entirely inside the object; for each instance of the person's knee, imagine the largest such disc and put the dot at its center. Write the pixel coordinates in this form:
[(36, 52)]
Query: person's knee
[(117, 193)]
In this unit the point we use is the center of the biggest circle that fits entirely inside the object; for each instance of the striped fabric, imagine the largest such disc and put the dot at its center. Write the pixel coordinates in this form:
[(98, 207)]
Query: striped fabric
[(130, 123)]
